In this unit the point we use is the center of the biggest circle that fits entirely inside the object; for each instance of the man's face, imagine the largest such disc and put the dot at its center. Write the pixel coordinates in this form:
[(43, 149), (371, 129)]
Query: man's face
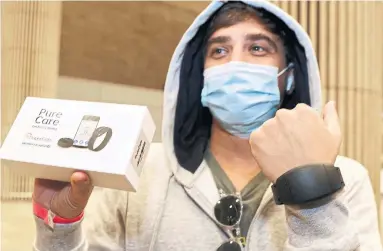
[(249, 42)]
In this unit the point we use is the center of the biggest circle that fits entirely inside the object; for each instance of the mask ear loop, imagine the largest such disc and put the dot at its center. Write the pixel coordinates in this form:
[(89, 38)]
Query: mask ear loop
[(290, 78)]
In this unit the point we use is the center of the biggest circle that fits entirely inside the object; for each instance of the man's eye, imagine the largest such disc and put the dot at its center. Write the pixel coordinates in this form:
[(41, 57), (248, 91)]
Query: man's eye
[(258, 50), (218, 52)]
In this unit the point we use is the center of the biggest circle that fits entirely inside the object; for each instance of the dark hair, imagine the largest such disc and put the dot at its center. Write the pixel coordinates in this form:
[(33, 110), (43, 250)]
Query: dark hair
[(193, 122)]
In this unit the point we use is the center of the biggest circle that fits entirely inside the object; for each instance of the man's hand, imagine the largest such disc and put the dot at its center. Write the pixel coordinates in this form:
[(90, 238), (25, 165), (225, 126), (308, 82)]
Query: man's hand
[(65, 199), (296, 137)]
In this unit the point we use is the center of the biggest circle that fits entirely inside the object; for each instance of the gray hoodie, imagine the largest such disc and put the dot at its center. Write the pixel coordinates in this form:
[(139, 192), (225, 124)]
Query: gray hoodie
[(173, 208)]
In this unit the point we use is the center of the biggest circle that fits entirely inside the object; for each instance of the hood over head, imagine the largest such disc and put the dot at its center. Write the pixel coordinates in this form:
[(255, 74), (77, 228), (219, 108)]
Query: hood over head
[(186, 124)]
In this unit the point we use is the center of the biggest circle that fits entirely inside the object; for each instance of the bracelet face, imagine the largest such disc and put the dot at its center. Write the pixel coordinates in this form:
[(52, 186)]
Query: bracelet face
[(307, 184), (99, 132)]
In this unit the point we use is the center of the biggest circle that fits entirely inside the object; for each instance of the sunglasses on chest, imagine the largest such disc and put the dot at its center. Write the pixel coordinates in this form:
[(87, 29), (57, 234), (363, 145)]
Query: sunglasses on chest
[(228, 212)]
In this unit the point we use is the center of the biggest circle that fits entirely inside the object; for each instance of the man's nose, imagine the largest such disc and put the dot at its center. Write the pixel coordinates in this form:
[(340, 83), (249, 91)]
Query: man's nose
[(238, 54)]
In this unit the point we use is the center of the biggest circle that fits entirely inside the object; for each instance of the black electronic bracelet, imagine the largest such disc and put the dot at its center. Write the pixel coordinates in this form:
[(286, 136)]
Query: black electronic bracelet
[(307, 184)]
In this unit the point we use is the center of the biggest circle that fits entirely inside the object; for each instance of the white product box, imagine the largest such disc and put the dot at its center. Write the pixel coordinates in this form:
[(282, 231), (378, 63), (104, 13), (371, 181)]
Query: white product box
[(51, 138)]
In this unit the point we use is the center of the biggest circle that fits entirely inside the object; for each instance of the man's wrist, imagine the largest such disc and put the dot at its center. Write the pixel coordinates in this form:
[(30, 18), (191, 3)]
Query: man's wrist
[(51, 218)]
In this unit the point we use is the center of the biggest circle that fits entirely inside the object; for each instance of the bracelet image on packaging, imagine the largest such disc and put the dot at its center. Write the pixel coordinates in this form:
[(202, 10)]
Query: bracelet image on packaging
[(103, 130), (98, 133), (87, 135)]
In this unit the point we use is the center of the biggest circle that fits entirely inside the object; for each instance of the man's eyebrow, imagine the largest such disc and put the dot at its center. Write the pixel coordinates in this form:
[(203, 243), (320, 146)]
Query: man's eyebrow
[(218, 40), (261, 36)]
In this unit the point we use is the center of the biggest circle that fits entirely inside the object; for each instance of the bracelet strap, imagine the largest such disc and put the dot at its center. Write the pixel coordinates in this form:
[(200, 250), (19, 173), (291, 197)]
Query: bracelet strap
[(51, 218), (306, 184)]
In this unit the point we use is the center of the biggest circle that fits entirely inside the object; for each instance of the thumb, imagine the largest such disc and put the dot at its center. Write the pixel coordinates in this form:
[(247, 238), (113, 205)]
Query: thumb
[(71, 200), (81, 187), (331, 118)]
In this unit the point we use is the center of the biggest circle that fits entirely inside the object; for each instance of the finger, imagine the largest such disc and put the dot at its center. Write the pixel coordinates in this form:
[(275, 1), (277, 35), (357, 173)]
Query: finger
[(71, 200), (79, 178), (331, 118), (80, 187)]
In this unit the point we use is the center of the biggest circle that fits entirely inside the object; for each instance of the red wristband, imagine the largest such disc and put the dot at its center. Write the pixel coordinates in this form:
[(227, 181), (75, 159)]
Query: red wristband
[(50, 218)]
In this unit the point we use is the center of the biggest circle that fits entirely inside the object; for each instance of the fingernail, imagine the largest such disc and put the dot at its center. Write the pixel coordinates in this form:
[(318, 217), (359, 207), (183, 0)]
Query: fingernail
[(81, 182)]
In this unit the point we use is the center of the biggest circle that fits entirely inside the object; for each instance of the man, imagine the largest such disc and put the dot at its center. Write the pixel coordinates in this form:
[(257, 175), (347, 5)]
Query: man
[(242, 123)]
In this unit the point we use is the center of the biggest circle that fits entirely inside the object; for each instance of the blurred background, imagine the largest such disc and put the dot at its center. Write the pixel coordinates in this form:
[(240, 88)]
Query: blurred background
[(119, 52)]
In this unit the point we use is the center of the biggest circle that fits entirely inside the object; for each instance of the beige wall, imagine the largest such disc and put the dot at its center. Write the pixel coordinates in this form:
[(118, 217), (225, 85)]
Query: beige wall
[(88, 90), (127, 42)]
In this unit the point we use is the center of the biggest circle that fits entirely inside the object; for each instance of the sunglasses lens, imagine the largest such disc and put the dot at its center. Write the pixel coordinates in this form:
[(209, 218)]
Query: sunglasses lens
[(230, 246), (228, 210)]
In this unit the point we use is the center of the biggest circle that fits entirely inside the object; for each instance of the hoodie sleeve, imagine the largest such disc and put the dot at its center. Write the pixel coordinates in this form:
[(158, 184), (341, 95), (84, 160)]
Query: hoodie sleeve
[(348, 222), (102, 228)]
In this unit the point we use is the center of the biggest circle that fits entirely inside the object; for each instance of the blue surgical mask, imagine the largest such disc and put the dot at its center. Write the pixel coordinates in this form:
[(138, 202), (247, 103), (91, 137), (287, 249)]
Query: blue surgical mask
[(241, 96)]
